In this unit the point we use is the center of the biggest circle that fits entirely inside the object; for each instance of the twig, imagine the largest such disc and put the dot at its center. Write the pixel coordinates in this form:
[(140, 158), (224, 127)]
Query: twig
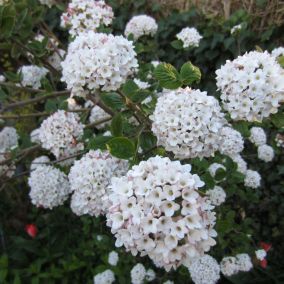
[(96, 101), (94, 124), (21, 88)]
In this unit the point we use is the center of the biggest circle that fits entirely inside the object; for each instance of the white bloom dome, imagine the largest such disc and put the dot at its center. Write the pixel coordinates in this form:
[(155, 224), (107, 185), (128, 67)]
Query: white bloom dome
[(138, 274), (60, 133), (252, 179), (252, 86), (244, 262), (231, 142), (187, 122), (217, 195), (257, 136), (204, 270), (49, 187), (39, 161), (265, 153), (141, 25), (277, 52), (8, 138), (113, 258), (213, 168), (229, 266), (157, 211), (89, 179), (86, 15), (189, 37), (98, 61), (241, 163), (106, 277), (31, 75)]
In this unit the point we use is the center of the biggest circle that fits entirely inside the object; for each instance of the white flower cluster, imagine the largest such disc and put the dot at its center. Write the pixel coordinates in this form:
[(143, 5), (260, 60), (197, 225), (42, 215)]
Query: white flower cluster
[(89, 179), (56, 58), (241, 163), (204, 270), (265, 153), (278, 52), (139, 274), (60, 133), (31, 75), (106, 277), (252, 86), (252, 179), (217, 195), (187, 122), (8, 141), (48, 3), (39, 161), (257, 136), (96, 60), (142, 85), (113, 258), (279, 139), (189, 37), (157, 211), (231, 142), (86, 15), (141, 25), (49, 186), (236, 29), (213, 168), (231, 265), (98, 114), (260, 254), (2, 78)]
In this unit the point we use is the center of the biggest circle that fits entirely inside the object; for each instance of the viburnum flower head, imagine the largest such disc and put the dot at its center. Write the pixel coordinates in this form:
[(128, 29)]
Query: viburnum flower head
[(156, 210), (141, 25), (278, 52), (260, 254), (231, 142), (187, 122), (252, 86), (204, 270), (213, 168), (265, 153), (113, 258), (241, 163), (257, 136), (138, 274), (86, 15), (32, 75), (189, 37), (252, 179), (49, 187), (217, 195), (8, 138), (98, 61), (89, 179), (106, 277)]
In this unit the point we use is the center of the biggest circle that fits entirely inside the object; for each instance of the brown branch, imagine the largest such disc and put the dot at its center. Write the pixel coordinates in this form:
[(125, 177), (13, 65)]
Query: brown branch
[(94, 124), (21, 88), (96, 101)]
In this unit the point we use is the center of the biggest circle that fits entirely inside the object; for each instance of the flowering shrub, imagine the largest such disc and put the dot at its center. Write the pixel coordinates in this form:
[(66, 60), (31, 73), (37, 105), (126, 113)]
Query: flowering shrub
[(135, 149)]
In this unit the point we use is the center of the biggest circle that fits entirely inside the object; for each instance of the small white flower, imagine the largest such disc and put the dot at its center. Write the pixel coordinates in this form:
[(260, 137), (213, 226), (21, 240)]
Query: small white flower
[(257, 136), (260, 254), (236, 29), (252, 179), (106, 277), (217, 195), (189, 37), (32, 75), (113, 258), (138, 274), (265, 153)]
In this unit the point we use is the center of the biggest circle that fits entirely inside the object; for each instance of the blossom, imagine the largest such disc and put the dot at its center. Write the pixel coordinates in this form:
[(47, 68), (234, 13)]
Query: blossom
[(86, 15), (187, 122), (277, 52), (229, 266), (138, 274), (2, 78), (241, 163), (244, 262), (98, 61), (106, 277), (31, 230), (156, 210), (113, 258), (98, 114), (213, 168), (60, 133), (32, 75), (257, 136), (204, 270), (217, 195), (141, 25), (231, 142), (260, 254), (142, 85), (265, 153), (236, 29), (251, 86), (49, 187), (56, 58), (189, 37), (150, 275), (8, 138), (39, 161), (89, 179), (252, 179)]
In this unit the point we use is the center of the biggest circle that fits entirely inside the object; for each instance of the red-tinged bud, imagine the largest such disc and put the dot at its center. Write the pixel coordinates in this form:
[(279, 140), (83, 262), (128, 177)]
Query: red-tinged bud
[(265, 246), (263, 263), (31, 230)]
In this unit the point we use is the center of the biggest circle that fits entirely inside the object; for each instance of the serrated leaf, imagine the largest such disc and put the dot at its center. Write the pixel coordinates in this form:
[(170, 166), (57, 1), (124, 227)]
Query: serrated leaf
[(168, 76), (177, 44), (121, 147), (98, 142), (189, 73), (278, 119), (129, 88), (112, 100)]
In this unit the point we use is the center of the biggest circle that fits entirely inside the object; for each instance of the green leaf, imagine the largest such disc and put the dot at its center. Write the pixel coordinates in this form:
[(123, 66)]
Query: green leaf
[(280, 60), (190, 73), (112, 100), (98, 142), (147, 140), (116, 125), (167, 76), (50, 105), (177, 44), (121, 147), (13, 77), (278, 119), (242, 127), (129, 88)]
